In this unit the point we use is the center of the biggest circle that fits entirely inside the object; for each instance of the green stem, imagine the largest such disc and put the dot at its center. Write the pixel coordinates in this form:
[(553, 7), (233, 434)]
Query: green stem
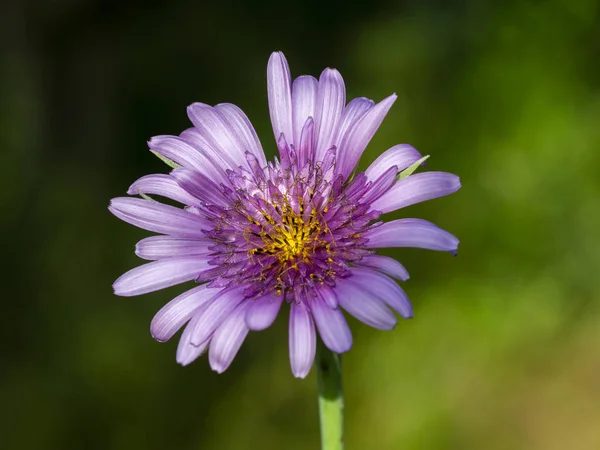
[(331, 398)]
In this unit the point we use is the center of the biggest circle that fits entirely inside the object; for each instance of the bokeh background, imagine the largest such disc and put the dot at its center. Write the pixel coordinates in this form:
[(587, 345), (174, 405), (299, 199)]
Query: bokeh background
[(503, 352)]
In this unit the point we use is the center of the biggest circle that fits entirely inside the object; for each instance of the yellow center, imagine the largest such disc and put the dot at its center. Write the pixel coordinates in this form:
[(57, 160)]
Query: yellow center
[(289, 243), (294, 239)]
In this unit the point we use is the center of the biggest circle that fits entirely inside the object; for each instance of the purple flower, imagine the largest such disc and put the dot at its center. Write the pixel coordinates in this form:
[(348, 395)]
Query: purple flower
[(298, 232)]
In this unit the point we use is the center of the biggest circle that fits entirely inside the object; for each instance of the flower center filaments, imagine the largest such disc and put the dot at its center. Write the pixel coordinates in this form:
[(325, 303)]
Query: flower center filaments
[(285, 228), (293, 241)]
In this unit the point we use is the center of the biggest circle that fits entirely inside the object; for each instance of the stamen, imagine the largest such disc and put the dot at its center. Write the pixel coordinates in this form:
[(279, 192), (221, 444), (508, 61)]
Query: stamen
[(288, 222)]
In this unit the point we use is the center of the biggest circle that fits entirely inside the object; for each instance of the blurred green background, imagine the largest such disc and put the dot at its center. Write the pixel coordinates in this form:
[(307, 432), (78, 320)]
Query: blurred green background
[(503, 352)]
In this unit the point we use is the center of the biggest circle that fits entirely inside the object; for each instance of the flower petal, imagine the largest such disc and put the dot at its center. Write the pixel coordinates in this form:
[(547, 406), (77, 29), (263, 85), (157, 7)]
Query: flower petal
[(280, 95), (384, 288), (217, 156), (332, 326), (228, 339), (154, 216), (307, 143), (353, 112), (381, 185), (303, 340), (158, 275), (185, 153), (304, 99), (178, 311), (362, 304), (163, 185), (417, 188), (284, 151), (401, 156), (263, 312), (356, 140), (200, 187), (411, 233), (219, 307), (186, 351), (385, 264), (242, 130), (328, 296), (159, 247), (218, 133), (331, 97)]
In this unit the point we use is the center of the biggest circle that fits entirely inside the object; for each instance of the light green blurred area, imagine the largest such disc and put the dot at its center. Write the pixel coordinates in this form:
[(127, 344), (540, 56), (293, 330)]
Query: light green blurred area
[(503, 351)]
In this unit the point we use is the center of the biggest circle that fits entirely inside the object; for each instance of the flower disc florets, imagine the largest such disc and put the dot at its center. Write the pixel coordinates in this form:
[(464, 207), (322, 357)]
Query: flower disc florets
[(286, 229)]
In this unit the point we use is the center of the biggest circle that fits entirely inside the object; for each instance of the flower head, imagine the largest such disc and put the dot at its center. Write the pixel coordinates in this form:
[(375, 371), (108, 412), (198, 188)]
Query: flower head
[(300, 231)]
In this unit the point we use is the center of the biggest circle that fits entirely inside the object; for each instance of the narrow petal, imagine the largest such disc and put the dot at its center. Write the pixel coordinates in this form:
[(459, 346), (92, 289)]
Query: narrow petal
[(401, 156), (332, 326), (154, 216), (178, 311), (303, 340), (417, 188), (228, 339), (263, 311), (385, 264), (280, 95), (186, 351), (242, 130), (185, 153), (359, 302), (353, 112), (163, 185), (411, 233), (158, 275), (356, 140), (384, 288), (307, 143), (284, 151), (159, 247), (304, 99), (217, 156), (328, 296), (331, 98), (381, 185), (219, 307), (217, 132), (200, 187)]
